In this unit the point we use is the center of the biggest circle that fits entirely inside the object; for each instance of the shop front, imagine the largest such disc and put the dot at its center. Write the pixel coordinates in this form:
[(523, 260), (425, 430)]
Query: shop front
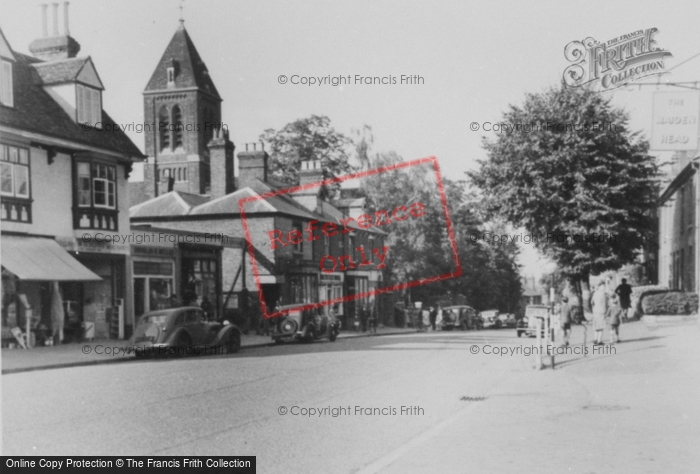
[(39, 282), (102, 306)]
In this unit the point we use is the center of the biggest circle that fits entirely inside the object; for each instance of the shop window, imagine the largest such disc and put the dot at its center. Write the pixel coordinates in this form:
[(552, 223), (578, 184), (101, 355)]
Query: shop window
[(160, 292), (95, 196), (15, 183)]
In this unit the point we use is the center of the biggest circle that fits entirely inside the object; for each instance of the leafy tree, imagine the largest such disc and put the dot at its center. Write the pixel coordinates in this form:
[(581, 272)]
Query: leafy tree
[(578, 171), (307, 139), (421, 248)]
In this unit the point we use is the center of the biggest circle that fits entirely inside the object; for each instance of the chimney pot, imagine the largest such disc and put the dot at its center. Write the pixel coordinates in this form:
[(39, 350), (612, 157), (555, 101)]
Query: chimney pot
[(55, 19), (44, 21), (66, 30)]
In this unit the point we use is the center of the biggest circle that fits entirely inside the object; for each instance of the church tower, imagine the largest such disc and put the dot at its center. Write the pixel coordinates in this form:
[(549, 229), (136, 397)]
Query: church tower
[(184, 145)]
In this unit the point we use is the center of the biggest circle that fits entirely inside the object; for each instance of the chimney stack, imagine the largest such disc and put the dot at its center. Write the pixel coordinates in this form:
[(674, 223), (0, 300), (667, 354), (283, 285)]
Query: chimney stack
[(56, 46), (221, 163), (310, 172), (252, 164)]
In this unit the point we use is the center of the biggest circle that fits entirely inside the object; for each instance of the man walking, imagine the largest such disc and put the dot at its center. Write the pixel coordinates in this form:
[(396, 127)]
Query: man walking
[(624, 292)]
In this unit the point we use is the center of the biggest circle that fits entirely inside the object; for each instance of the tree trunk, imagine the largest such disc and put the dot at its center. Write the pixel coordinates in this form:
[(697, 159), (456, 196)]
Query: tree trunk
[(585, 293)]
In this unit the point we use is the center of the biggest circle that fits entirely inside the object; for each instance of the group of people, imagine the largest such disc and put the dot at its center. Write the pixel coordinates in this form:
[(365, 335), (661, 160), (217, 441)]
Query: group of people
[(609, 307)]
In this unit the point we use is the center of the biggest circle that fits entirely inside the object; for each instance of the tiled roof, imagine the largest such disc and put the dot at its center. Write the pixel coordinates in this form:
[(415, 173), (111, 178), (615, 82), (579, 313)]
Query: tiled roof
[(190, 70), (35, 111), (176, 203), (56, 72)]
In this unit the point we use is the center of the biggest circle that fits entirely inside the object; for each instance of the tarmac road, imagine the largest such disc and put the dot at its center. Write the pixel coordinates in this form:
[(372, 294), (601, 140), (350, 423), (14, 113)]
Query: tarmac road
[(464, 409)]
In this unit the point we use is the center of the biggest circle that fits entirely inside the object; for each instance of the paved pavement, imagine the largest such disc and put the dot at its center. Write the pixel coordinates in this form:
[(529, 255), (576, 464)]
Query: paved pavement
[(112, 351), (472, 403)]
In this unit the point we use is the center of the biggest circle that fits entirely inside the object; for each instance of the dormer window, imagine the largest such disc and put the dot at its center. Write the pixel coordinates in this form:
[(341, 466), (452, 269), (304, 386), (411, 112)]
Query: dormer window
[(6, 95), (171, 75), (89, 106)]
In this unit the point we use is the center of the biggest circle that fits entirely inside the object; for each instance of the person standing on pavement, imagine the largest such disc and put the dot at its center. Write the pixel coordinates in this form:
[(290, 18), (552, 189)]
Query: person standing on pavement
[(599, 302), (565, 319), (433, 317), (614, 318), (624, 292)]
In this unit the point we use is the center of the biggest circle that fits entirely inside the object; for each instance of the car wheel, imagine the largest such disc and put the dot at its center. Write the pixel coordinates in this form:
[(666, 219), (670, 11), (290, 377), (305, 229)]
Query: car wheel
[(184, 343), (333, 334), (234, 342), (463, 326)]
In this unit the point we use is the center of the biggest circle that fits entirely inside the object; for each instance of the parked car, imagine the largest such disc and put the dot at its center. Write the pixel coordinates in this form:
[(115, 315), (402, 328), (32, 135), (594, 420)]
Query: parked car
[(528, 324), (180, 331), (507, 320), (490, 319), (463, 317), (305, 325)]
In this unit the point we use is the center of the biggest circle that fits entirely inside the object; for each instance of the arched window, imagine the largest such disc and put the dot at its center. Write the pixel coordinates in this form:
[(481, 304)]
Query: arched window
[(177, 127), (164, 128)]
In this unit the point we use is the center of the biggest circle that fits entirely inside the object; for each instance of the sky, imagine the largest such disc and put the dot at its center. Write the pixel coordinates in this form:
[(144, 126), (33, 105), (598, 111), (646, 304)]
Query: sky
[(474, 58)]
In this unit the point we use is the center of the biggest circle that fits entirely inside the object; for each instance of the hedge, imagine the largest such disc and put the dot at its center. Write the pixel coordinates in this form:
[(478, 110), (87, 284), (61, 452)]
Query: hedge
[(670, 302)]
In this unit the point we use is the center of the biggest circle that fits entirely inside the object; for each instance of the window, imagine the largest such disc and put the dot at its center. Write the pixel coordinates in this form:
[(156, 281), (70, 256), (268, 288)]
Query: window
[(164, 128), (6, 95), (97, 185), (89, 105), (326, 245), (14, 171), (298, 248), (16, 204), (171, 75)]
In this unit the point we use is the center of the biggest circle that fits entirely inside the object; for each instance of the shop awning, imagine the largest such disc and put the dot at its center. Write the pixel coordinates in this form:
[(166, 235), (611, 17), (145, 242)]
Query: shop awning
[(38, 259)]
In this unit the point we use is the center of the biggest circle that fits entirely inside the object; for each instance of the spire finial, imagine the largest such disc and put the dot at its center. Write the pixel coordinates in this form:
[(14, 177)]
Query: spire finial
[(182, 6)]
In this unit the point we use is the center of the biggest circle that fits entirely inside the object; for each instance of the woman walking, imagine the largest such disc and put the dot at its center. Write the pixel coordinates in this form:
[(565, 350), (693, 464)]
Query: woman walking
[(599, 302)]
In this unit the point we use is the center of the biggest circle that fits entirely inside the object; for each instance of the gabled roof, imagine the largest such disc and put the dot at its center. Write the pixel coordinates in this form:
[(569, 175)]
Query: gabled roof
[(178, 204), (67, 70), (190, 70), (36, 111)]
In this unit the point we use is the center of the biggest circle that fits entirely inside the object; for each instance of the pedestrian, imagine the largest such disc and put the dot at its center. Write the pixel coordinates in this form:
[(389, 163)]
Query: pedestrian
[(614, 317), (433, 317), (624, 292), (208, 307), (565, 319), (599, 302)]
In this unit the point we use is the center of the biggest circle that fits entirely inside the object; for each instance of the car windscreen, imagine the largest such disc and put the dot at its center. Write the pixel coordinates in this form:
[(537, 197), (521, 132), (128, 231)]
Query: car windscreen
[(155, 319)]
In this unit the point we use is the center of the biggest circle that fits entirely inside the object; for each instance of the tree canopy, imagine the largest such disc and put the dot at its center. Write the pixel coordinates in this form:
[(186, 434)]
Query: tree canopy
[(308, 139), (572, 169)]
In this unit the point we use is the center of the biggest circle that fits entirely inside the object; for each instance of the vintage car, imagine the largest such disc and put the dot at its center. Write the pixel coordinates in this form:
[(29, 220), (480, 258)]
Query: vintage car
[(490, 319), (507, 320), (463, 317), (528, 324), (183, 331), (306, 325)]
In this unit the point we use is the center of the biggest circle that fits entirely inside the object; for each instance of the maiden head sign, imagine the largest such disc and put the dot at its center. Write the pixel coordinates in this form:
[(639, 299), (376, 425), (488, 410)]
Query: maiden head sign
[(615, 63)]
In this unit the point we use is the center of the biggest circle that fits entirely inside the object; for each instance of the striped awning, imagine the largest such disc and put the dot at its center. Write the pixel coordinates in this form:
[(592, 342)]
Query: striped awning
[(41, 259)]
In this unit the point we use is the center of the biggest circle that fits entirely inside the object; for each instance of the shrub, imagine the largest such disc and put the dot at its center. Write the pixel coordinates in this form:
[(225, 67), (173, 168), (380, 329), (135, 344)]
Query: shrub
[(670, 302), (639, 292)]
